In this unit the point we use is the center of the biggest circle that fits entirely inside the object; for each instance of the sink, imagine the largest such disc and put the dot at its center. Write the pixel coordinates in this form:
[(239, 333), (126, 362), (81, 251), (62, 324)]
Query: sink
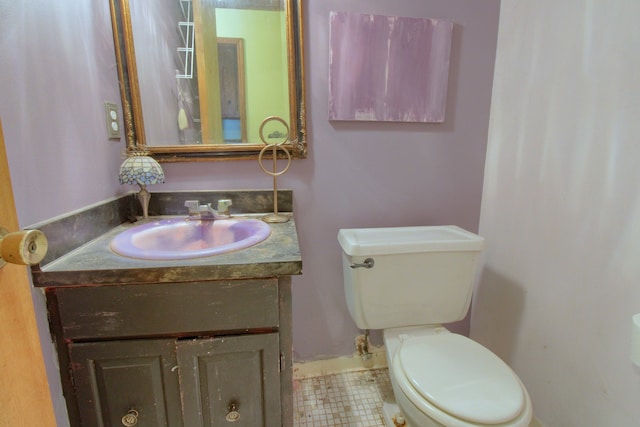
[(180, 238)]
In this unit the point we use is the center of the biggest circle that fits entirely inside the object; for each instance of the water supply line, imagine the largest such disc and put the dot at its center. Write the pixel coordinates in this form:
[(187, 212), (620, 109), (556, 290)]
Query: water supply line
[(362, 346)]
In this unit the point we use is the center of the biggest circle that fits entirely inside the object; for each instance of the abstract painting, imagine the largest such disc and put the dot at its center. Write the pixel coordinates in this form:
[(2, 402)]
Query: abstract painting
[(387, 68)]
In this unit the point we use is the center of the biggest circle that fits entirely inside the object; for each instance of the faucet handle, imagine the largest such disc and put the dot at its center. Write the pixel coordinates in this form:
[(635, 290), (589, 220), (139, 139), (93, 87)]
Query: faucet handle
[(223, 206), (193, 206)]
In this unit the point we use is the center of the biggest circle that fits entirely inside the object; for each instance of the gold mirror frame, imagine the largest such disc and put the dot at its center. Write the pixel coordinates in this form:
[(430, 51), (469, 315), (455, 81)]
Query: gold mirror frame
[(132, 105)]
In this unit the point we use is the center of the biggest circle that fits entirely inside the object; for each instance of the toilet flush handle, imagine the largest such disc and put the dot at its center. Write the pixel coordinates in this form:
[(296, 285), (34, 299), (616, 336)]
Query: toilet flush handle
[(368, 263)]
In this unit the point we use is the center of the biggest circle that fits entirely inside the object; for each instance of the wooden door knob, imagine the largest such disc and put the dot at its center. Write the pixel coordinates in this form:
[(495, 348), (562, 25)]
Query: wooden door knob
[(26, 247)]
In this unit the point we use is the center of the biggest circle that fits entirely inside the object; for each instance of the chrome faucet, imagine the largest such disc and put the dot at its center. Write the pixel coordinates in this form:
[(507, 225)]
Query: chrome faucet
[(196, 210), (193, 206)]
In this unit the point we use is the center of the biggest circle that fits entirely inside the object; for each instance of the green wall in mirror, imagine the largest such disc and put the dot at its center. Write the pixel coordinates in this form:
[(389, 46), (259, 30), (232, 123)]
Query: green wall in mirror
[(265, 60)]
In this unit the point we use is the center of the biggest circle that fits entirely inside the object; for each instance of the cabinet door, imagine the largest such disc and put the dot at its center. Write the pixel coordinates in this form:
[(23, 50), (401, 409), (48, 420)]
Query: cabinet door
[(114, 377), (220, 375)]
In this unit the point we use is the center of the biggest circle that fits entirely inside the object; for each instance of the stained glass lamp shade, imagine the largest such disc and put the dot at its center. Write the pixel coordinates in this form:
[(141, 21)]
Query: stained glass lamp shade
[(143, 170)]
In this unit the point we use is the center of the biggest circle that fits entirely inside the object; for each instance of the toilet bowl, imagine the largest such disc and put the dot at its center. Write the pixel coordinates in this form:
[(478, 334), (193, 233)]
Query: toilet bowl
[(444, 379), (408, 281)]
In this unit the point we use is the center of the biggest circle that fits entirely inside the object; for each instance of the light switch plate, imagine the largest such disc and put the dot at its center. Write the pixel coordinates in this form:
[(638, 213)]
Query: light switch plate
[(113, 120)]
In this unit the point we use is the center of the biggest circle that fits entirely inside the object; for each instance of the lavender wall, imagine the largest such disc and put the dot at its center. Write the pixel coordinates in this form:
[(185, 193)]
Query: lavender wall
[(373, 174), (58, 67)]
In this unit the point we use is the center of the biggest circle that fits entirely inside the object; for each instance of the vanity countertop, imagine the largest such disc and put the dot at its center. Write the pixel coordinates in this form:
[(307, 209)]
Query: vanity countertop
[(94, 263)]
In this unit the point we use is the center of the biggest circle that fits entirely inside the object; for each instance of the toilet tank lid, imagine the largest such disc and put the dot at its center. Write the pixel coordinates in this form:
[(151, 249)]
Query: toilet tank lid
[(398, 240)]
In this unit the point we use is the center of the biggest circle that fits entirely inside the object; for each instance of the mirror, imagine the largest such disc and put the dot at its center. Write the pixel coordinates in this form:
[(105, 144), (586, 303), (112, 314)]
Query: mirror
[(198, 77)]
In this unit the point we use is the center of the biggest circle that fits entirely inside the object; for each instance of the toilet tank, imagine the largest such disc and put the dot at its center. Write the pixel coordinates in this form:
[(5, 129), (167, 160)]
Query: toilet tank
[(421, 275)]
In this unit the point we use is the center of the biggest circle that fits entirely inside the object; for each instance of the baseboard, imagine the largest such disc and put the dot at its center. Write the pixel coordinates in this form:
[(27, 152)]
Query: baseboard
[(536, 423), (355, 362)]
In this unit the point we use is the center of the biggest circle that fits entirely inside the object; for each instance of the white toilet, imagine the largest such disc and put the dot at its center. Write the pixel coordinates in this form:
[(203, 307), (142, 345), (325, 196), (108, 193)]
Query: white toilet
[(408, 281)]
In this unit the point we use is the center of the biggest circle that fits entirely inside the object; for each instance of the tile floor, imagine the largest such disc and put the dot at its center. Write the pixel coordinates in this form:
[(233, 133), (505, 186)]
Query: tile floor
[(350, 399)]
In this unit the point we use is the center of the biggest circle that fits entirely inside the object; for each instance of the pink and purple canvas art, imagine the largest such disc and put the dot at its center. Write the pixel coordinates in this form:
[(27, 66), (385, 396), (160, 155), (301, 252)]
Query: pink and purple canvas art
[(388, 68)]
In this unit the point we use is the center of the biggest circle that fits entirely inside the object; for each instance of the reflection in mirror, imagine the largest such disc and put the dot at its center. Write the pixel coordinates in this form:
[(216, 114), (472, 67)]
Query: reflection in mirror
[(274, 130), (199, 76), (232, 89)]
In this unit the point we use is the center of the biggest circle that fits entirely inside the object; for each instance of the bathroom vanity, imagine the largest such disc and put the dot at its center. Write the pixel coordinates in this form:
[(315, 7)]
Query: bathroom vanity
[(194, 342)]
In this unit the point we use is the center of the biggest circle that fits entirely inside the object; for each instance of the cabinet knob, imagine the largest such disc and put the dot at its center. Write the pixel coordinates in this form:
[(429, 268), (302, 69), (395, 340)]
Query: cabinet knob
[(233, 415), (130, 419)]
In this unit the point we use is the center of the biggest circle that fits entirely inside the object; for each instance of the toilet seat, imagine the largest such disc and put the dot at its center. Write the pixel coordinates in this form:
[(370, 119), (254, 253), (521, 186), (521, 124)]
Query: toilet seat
[(452, 374)]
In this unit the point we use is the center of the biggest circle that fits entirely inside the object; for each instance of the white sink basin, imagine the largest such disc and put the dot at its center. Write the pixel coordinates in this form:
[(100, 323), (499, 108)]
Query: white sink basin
[(180, 238)]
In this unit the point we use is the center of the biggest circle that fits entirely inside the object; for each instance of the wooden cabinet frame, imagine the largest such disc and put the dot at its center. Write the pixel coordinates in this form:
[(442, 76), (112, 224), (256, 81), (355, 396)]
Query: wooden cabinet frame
[(122, 340)]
